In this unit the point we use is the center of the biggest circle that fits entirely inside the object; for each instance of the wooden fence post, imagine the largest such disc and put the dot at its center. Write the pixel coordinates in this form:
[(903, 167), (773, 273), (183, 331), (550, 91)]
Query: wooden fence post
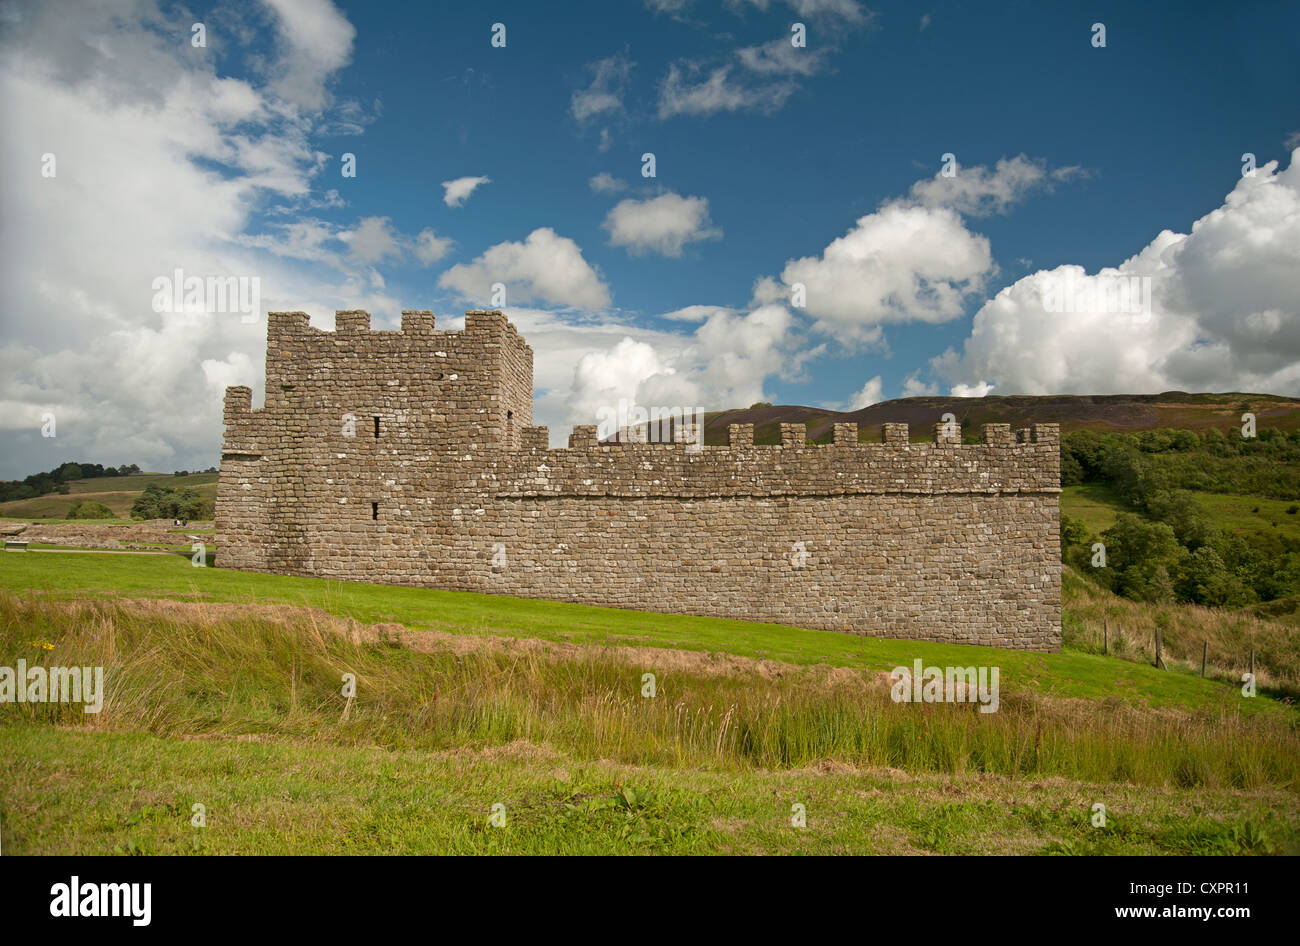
[(1205, 650), (1159, 661), (1105, 636)]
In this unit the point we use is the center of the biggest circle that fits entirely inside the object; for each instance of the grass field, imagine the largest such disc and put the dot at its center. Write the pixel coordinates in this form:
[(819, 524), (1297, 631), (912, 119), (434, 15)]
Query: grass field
[(115, 492), (279, 797), (1097, 507), (224, 690), (1247, 514), (137, 483)]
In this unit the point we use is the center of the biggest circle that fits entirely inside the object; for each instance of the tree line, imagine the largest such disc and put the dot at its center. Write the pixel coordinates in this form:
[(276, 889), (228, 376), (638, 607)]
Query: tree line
[(59, 479)]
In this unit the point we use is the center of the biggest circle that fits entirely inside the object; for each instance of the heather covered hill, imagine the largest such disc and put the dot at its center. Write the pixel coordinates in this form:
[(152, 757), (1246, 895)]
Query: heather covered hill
[(1104, 412)]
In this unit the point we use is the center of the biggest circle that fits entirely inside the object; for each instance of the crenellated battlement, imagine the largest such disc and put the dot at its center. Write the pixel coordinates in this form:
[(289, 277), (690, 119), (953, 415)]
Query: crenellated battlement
[(793, 436), (741, 468), (409, 456), (415, 322), (845, 466)]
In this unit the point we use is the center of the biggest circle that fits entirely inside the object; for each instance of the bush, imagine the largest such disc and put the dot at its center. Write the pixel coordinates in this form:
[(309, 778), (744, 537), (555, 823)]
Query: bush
[(1073, 532), (91, 510)]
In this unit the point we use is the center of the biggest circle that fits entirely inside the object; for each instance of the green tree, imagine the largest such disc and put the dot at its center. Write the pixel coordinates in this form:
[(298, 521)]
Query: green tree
[(1179, 510), (1203, 578), (1072, 473), (1143, 555), (1073, 532), (171, 502)]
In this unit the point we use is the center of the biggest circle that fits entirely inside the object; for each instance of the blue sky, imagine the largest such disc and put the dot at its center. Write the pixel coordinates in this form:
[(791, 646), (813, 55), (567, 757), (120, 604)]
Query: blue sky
[(775, 165)]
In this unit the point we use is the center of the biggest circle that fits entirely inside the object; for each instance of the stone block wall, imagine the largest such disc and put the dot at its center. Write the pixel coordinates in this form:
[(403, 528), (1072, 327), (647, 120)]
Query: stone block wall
[(937, 541)]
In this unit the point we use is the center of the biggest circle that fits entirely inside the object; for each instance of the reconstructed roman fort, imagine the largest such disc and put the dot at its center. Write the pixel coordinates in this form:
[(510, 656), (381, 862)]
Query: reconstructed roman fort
[(409, 457)]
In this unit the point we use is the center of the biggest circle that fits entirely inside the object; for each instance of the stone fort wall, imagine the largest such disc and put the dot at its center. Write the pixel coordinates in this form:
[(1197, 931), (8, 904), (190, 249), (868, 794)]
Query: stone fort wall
[(409, 457)]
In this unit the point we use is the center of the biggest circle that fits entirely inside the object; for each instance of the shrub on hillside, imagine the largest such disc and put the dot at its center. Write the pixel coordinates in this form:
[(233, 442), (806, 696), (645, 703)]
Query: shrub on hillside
[(91, 510), (1073, 532)]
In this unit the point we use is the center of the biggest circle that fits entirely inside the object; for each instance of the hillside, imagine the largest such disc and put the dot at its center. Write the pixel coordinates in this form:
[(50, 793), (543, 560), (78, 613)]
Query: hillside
[(115, 492), (1110, 412)]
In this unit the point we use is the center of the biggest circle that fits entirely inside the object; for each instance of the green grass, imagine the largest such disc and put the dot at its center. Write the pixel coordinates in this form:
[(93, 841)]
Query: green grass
[(181, 670), (239, 708), (284, 798), (45, 521), (1068, 674), (137, 482), (129, 547), (1251, 514), (56, 507), (1095, 506)]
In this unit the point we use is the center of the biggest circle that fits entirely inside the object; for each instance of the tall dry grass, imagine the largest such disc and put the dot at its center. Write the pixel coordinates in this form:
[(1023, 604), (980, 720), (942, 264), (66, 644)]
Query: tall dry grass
[(1184, 629), (250, 675)]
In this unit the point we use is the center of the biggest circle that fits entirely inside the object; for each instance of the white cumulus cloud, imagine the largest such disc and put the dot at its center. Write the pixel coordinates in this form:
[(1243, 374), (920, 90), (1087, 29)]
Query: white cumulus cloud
[(688, 90), (137, 120), (662, 224), (1224, 310), (606, 183), (545, 267), (872, 392), (979, 191), (723, 363), (456, 192), (899, 264)]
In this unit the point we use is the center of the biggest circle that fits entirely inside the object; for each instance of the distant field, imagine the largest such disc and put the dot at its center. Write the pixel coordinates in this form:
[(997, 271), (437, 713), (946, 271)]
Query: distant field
[(138, 482), (1247, 514), (116, 492), (1097, 507)]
